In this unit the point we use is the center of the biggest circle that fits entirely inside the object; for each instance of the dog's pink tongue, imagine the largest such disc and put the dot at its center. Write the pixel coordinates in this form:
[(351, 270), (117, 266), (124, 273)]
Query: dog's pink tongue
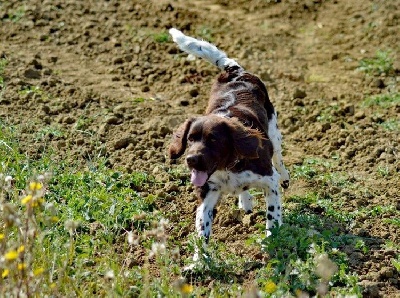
[(198, 178)]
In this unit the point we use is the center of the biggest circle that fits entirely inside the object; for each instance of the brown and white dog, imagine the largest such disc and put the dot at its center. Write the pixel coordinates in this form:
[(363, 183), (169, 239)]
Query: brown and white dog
[(236, 145)]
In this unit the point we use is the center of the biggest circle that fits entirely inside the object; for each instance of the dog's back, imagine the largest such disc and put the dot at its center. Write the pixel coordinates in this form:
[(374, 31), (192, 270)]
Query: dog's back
[(237, 93)]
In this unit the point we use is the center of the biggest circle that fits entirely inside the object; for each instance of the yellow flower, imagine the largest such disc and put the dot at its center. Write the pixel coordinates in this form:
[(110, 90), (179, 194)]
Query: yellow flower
[(55, 219), (21, 266), (26, 200), (5, 273), (21, 249), (37, 202), (186, 289), (1, 236), (11, 255), (35, 186), (38, 271), (270, 287)]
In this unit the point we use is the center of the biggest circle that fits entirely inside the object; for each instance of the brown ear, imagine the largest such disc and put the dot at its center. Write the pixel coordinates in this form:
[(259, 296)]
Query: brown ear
[(246, 141), (179, 140)]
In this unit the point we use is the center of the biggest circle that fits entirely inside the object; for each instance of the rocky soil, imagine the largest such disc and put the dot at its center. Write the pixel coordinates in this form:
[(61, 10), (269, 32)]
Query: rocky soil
[(101, 78)]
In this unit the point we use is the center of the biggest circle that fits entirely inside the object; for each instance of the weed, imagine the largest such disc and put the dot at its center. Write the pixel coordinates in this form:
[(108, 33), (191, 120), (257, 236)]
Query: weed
[(161, 37), (327, 114), (310, 168), (392, 221), (83, 123), (31, 90), (381, 63), (49, 132), (391, 124), (206, 33), (138, 99), (66, 226), (3, 64), (396, 263), (16, 15), (360, 244), (383, 171), (382, 100), (304, 258)]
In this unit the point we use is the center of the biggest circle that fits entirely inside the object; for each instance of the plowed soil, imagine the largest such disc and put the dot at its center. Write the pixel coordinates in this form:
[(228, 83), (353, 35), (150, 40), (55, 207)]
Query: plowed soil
[(105, 73)]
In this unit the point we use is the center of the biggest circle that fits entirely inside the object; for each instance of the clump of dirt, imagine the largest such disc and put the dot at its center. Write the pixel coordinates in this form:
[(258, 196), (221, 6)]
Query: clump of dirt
[(102, 79)]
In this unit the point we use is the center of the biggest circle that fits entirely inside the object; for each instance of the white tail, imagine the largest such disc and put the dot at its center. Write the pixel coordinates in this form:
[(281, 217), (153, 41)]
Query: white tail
[(202, 49)]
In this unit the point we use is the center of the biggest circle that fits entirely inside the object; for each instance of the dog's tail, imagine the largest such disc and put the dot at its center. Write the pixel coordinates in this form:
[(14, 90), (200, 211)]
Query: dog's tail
[(202, 49)]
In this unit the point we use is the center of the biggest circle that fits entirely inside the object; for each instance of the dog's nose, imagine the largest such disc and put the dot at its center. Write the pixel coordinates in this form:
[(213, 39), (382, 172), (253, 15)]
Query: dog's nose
[(192, 160)]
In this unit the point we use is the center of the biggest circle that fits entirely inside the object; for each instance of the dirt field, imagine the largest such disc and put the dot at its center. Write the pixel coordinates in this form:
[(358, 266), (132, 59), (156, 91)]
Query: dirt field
[(105, 72)]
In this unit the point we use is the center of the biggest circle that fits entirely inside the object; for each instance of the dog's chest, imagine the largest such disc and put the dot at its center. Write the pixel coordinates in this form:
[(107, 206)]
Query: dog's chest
[(235, 183)]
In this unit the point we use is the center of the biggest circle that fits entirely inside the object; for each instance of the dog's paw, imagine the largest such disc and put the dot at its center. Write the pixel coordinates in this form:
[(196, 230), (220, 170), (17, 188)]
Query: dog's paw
[(285, 184), (246, 202), (285, 179)]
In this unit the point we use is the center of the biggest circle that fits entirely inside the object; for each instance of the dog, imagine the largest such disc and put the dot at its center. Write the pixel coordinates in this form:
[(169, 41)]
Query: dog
[(235, 145)]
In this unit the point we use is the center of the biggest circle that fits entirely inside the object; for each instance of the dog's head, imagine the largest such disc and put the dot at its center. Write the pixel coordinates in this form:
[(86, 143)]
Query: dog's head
[(214, 143)]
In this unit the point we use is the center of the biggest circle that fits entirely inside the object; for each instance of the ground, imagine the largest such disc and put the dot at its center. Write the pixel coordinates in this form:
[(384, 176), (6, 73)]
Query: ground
[(107, 74)]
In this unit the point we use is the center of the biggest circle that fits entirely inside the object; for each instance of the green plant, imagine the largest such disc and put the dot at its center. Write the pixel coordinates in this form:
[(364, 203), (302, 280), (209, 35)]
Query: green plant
[(72, 224), (396, 263), (310, 168), (161, 37), (17, 14), (31, 90), (381, 63), (327, 114), (391, 124), (206, 33), (3, 64), (383, 171), (49, 131), (382, 100), (304, 258)]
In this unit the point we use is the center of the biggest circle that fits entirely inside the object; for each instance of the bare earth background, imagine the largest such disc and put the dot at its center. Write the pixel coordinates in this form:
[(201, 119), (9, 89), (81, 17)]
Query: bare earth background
[(108, 76)]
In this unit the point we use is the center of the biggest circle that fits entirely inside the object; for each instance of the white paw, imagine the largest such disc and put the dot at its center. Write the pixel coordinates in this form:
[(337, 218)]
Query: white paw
[(246, 202)]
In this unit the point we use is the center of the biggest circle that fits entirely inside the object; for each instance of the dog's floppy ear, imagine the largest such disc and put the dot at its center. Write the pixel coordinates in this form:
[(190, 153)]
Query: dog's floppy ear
[(246, 141), (179, 140)]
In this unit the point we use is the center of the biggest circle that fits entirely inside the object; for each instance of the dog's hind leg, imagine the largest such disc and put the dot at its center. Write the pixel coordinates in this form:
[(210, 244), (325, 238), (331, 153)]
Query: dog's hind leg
[(275, 136), (246, 201), (273, 201)]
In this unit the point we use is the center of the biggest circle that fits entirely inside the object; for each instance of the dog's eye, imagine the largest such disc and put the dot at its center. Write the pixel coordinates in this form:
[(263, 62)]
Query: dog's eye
[(190, 138), (212, 138)]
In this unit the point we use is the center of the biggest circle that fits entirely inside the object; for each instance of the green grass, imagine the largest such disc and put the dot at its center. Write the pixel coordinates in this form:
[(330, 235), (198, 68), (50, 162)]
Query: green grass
[(98, 233), (161, 37), (73, 235), (305, 254), (328, 114), (391, 124), (382, 100), (16, 15), (381, 63), (205, 32), (51, 131)]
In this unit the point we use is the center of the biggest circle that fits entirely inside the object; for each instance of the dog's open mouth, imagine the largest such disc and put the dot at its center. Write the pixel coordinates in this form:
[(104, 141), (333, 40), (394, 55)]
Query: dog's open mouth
[(198, 178)]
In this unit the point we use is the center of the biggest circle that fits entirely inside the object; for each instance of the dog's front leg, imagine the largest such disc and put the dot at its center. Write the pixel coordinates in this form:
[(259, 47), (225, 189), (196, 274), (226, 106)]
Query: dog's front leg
[(204, 214)]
